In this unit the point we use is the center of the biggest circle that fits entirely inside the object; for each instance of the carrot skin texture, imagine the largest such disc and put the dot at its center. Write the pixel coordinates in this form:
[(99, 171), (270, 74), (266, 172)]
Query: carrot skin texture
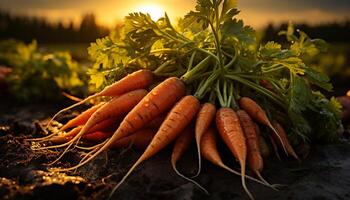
[(107, 124), (209, 147), (178, 118), (97, 136), (156, 122), (231, 132), (140, 139), (59, 139), (182, 143), (254, 110), (82, 118), (280, 130), (157, 101), (255, 160), (204, 119), (137, 80), (258, 114), (115, 108), (102, 126)]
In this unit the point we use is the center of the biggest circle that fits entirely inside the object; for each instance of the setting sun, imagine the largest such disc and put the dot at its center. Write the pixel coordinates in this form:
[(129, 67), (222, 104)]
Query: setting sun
[(155, 11)]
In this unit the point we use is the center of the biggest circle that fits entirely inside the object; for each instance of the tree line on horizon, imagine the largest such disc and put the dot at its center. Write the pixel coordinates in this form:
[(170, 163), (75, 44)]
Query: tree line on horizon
[(26, 29)]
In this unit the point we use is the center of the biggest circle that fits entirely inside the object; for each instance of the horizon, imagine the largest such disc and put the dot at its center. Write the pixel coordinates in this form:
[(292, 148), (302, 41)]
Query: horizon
[(109, 13)]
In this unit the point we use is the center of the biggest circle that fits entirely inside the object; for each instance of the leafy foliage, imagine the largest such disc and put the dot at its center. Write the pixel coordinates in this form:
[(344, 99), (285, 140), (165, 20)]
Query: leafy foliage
[(38, 76), (220, 59)]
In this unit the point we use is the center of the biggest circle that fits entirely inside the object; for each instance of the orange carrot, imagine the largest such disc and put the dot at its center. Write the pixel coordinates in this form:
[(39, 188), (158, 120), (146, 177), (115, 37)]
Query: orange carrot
[(258, 114), (255, 160), (178, 118), (105, 125), (232, 134), (137, 80), (182, 143), (82, 118), (97, 136), (210, 152), (282, 134), (204, 118), (156, 122), (62, 138), (140, 139), (157, 101), (115, 108)]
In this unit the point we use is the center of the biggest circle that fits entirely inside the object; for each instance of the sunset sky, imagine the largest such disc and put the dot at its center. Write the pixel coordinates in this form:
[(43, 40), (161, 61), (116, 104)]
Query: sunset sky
[(255, 12)]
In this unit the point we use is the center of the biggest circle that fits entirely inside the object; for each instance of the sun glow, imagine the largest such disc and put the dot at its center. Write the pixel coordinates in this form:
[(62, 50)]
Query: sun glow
[(155, 11)]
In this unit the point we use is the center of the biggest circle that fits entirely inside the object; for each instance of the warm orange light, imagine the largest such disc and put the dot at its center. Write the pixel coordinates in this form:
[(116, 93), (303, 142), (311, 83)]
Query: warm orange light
[(155, 11)]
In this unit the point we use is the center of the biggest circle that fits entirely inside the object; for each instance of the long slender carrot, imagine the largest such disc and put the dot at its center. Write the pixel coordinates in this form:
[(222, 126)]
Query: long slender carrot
[(140, 139), (210, 152), (182, 143), (82, 118), (115, 108), (157, 101), (178, 118), (136, 80), (204, 118), (264, 148), (283, 135), (255, 160), (258, 114), (232, 134)]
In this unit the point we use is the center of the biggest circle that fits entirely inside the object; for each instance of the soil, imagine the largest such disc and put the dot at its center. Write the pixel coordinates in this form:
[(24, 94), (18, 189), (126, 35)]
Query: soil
[(324, 174)]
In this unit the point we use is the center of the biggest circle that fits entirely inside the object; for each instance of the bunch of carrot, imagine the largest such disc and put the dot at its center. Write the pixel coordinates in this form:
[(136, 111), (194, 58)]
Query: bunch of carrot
[(152, 120)]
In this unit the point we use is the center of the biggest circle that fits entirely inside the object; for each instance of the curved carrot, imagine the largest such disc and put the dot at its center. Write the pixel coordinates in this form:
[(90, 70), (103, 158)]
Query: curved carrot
[(157, 101), (178, 118), (204, 118), (136, 80), (82, 118), (140, 139), (232, 134), (115, 108), (182, 143), (255, 160), (210, 152), (282, 134), (258, 114)]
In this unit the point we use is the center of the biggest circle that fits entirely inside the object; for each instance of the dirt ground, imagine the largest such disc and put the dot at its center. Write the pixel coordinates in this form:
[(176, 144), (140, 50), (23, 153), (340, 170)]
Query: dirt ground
[(325, 174)]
